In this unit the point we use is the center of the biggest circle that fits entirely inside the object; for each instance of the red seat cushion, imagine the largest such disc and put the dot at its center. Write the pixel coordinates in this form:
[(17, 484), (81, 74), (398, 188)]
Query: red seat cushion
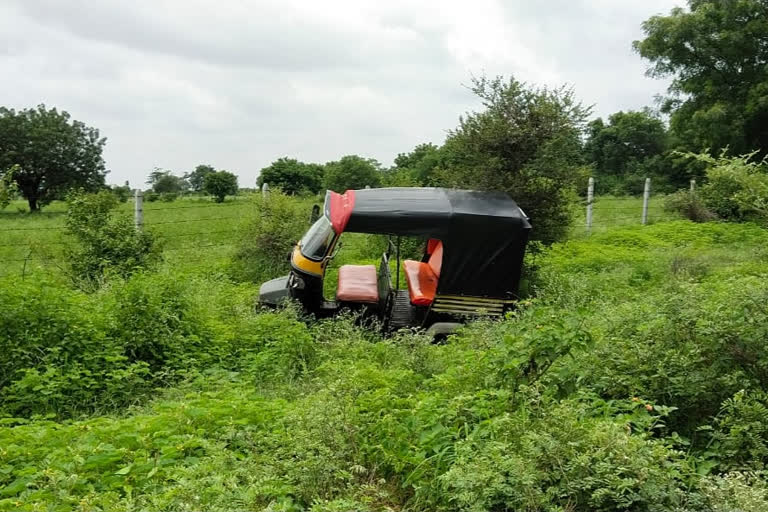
[(422, 282), (423, 277), (358, 283)]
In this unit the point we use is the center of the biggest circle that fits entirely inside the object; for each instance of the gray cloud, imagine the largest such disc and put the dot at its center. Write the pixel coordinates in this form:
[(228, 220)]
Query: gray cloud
[(236, 83)]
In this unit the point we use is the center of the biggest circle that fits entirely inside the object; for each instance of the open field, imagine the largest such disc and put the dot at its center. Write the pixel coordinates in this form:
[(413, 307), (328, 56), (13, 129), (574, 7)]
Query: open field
[(631, 381)]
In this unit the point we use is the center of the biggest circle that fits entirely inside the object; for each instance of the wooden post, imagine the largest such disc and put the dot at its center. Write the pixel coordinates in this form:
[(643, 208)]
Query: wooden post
[(138, 209), (265, 190), (590, 200), (646, 197)]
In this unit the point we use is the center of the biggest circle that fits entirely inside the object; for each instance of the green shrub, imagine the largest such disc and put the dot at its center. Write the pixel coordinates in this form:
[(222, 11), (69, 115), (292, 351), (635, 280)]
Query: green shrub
[(742, 492), (168, 197), (562, 457), (107, 243), (736, 187), (740, 435), (690, 205), (59, 357), (270, 231)]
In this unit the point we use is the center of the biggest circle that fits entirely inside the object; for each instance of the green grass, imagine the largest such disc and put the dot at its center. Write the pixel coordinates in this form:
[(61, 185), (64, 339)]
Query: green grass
[(609, 212), (190, 230), (617, 388)]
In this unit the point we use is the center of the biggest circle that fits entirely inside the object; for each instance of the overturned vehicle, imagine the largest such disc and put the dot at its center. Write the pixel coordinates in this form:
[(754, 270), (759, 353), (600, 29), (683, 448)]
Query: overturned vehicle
[(471, 264)]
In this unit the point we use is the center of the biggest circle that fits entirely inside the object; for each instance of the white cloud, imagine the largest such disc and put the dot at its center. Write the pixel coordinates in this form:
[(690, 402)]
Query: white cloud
[(239, 83)]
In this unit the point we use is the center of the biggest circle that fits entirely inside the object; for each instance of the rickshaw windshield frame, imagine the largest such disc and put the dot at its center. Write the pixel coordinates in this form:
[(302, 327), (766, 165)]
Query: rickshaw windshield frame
[(318, 240)]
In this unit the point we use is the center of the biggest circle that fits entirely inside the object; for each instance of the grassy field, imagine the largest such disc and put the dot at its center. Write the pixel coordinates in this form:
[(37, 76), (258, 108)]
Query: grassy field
[(633, 380), (189, 230)]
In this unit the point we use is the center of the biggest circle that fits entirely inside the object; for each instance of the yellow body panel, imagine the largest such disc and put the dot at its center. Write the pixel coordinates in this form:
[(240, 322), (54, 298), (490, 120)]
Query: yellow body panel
[(300, 262)]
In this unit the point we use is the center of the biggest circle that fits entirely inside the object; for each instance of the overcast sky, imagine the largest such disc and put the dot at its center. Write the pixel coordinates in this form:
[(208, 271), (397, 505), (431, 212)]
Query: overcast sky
[(240, 83)]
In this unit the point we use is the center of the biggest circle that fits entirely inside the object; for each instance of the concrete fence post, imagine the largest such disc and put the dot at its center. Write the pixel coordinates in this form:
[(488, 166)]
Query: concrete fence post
[(138, 209), (693, 186), (646, 198), (265, 190), (590, 200)]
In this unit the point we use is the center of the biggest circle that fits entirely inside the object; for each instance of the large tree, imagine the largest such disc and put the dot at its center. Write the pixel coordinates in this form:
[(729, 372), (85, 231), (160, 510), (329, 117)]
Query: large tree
[(165, 182), (626, 142), (292, 176), (716, 52), (196, 178), (54, 153), (352, 172), (526, 141), (220, 184)]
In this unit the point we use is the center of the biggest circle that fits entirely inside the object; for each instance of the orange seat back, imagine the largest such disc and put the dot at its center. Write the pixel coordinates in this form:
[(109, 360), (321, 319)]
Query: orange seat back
[(436, 258)]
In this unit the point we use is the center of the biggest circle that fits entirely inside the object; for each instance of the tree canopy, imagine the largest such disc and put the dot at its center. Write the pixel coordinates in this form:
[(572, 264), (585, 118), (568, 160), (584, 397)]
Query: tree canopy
[(626, 142), (527, 142), (417, 167), (53, 153), (196, 178), (352, 172), (717, 55), (292, 176), (165, 182), (220, 184)]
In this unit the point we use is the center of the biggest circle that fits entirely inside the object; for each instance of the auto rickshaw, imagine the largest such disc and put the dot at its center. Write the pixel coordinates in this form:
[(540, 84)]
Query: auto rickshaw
[(471, 266)]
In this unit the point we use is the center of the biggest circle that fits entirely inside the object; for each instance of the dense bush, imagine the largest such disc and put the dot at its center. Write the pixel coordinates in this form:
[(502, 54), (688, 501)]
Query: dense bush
[(526, 141), (269, 233), (690, 205), (107, 243), (619, 387), (736, 187)]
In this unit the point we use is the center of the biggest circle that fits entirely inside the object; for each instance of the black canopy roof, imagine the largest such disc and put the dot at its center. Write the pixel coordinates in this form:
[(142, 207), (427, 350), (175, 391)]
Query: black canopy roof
[(484, 234)]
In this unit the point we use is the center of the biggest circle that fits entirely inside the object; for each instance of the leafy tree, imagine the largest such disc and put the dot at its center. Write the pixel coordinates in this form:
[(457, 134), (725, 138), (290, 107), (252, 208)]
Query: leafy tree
[(352, 172), (165, 182), (292, 177), (629, 139), (196, 178), (717, 54), (527, 142), (220, 184), (417, 167), (53, 152)]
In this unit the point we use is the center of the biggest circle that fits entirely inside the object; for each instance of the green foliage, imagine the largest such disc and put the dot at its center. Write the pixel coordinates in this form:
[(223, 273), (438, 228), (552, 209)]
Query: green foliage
[(292, 177), (745, 492), (166, 183), (8, 187), (107, 243), (690, 205), (220, 184), (526, 142), (740, 432), (736, 188), (619, 387), (352, 172), (53, 152), (564, 456), (271, 229), (416, 168), (626, 143), (715, 54), (196, 178), (122, 192)]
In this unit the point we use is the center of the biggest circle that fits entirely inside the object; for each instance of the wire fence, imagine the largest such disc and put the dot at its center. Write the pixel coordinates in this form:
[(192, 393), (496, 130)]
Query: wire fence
[(203, 226), (199, 226)]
